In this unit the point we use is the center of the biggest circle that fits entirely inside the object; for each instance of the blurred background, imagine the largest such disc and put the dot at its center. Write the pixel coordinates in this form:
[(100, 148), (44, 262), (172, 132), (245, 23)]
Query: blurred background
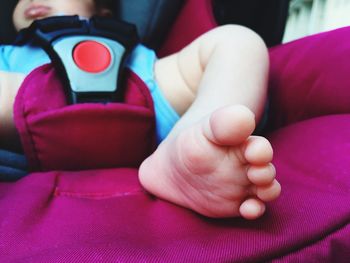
[(306, 17), (275, 20)]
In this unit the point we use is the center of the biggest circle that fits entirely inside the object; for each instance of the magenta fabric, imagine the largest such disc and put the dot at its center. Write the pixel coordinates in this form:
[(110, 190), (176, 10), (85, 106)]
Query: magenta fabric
[(101, 214), (104, 215), (310, 78), (57, 136), (195, 18)]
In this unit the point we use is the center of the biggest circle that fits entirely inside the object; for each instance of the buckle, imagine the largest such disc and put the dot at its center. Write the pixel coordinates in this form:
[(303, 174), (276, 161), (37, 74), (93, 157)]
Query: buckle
[(88, 54)]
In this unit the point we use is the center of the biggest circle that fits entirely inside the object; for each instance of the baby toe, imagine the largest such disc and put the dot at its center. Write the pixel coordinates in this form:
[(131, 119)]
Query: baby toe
[(269, 192), (252, 209), (258, 151), (261, 175)]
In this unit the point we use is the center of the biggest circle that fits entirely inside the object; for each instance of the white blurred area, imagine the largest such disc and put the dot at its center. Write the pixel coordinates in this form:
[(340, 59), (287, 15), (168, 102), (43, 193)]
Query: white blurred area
[(307, 17)]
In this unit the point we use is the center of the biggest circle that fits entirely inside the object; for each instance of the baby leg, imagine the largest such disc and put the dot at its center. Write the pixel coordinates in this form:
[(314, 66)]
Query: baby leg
[(210, 162)]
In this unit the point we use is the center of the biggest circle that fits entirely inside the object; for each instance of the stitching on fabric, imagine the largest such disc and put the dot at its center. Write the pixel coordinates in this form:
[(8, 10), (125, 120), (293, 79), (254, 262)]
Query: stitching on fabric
[(149, 101), (134, 79), (27, 126), (314, 242), (138, 82), (95, 195)]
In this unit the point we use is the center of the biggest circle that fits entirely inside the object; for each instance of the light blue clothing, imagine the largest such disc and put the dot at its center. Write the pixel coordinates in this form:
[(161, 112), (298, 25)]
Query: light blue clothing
[(23, 59), (142, 62)]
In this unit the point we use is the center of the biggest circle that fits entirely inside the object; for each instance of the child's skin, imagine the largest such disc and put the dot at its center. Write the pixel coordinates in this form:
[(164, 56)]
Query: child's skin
[(209, 162)]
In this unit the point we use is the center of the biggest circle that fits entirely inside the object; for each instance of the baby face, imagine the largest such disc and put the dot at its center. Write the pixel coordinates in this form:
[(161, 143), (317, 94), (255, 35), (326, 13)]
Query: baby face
[(27, 11)]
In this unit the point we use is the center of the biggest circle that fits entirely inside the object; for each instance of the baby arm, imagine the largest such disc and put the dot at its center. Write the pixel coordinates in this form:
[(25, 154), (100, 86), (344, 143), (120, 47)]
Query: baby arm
[(9, 85), (210, 162)]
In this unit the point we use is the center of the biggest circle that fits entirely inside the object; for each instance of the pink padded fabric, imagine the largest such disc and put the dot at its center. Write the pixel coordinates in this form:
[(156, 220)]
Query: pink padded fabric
[(57, 136), (195, 18), (103, 215), (309, 77)]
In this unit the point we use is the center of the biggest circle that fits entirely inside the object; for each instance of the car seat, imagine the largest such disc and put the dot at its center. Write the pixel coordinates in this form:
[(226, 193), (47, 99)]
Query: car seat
[(83, 202)]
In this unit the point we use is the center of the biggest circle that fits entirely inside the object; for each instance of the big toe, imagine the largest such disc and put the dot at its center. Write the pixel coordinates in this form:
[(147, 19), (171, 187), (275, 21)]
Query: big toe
[(230, 125)]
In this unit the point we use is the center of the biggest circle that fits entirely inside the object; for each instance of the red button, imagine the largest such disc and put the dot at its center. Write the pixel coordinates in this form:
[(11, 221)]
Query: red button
[(91, 56)]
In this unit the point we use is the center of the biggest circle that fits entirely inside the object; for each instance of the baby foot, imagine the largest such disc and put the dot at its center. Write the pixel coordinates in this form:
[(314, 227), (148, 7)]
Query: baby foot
[(215, 167)]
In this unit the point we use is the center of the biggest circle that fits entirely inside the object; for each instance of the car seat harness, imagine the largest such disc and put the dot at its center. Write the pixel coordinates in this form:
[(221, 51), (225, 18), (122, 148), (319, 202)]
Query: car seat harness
[(89, 54)]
